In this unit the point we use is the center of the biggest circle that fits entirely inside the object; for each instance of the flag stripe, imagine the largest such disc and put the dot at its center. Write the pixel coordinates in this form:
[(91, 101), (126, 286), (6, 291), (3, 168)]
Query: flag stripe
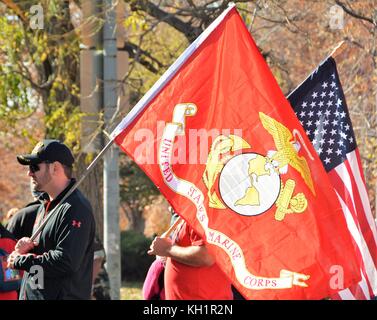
[(354, 227), (337, 296), (359, 165), (346, 295), (357, 292), (361, 290), (353, 158), (357, 173), (364, 286), (366, 227), (357, 243), (361, 248), (359, 213)]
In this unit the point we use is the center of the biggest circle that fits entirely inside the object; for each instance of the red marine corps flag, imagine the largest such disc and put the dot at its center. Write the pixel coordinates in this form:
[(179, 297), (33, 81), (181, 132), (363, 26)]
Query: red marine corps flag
[(221, 142)]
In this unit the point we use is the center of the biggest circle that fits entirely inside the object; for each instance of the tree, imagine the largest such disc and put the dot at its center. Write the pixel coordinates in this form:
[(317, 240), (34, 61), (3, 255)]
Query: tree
[(40, 71)]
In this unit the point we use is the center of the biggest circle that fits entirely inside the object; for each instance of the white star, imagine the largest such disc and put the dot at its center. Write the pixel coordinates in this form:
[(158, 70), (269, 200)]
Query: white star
[(323, 94), (324, 85), (310, 114), (347, 127), (333, 84), (340, 142), (322, 141), (314, 141), (304, 104), (343, 135), (324, 131), (334, 122), (327, 160), (316, 131), (312, 104), (327, 113), (329, 151), (331, 94), (333, 131), (350, 139), (309, 123), (338, 102), (338, 152), (318, 122), (342, 114), (302, 114), (319, 113), (315, 95), (321, 103), (307, 132), (337, 113), (326, 122), (319, 151), (329, 103), (331, 142)]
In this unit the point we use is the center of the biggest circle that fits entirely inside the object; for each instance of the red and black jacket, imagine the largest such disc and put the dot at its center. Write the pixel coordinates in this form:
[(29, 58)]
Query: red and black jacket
[(64, 254)]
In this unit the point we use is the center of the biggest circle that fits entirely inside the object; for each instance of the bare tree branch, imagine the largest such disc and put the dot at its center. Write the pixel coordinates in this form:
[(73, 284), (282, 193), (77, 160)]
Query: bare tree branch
[(187, 29), (143, 57), (355, 14)]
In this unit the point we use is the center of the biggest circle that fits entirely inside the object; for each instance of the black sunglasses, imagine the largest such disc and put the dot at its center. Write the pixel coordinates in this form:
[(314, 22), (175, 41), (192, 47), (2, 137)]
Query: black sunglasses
[(33, 168)]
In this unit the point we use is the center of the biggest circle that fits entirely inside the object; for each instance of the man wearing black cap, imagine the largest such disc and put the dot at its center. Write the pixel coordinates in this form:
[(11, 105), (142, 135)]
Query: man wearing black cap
[(63, 251)]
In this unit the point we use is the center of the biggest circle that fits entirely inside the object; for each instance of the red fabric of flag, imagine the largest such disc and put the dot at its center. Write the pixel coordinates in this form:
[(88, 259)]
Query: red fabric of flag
[(221, 142)]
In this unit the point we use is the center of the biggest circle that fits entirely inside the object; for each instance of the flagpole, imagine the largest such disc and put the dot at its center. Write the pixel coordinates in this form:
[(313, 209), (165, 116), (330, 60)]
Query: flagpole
[(172, 228), (335, 52), (74, 187)]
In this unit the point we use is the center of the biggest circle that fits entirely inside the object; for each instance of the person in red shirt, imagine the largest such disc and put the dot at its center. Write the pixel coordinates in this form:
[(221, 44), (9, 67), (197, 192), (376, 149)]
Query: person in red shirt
[(190, 272), (7, 243)]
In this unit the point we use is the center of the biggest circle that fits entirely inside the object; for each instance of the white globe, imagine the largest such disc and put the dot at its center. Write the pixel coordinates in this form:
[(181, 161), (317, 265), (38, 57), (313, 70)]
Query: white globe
[(248, 184)]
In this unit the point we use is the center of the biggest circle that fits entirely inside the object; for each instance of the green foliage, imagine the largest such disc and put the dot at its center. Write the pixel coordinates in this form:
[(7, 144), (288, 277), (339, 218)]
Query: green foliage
[(15, 96), (134, 258), (136, 21), (64, 122), (136, 188), (39, 70)]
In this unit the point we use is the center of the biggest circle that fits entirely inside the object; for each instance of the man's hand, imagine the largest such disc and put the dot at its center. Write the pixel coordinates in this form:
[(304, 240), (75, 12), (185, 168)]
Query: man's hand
[(24, 245), (11, 258), (160, 247)]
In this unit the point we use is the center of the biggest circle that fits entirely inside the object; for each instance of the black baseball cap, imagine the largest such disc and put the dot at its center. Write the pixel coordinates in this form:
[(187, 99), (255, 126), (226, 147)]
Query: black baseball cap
[(48, 151)]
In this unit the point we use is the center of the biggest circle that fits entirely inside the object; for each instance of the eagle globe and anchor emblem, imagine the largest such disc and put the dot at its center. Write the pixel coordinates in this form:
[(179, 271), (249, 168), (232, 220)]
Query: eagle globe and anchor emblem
[(250, 183), (247, 182)]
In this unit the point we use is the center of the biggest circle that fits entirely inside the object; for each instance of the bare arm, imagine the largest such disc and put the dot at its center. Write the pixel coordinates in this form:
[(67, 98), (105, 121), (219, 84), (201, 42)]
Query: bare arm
[(194, 256), (97, 264)]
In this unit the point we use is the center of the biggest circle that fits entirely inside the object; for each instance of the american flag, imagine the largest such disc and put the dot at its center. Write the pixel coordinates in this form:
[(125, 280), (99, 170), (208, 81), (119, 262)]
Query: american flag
[(320, 105)]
